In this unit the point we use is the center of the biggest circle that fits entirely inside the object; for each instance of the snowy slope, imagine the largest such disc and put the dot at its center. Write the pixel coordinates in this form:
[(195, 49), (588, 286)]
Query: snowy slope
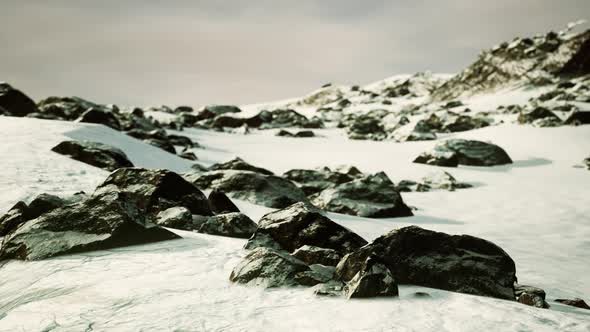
[(536, 209)]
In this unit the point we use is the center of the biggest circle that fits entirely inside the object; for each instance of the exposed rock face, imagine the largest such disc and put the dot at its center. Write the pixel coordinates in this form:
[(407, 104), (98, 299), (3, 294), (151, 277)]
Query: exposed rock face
[(373, 280), (177, 217), (267, 190), (233, 224), (459, 263), (43, 204), (531, 296), (14, 102), (107, 220), (578, 303), (99, 116), (372, 196), (366, 127), (157, 190), (466, 152), (15, 217), (220, 203), (222, 109), (268, 267), (536, 114), (300, 224), (94, 153), (316, 255), (440, 180), (240, 165), (314, 181)]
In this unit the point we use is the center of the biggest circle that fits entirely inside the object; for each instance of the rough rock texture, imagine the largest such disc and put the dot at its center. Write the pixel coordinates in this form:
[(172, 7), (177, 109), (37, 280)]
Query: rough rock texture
[(68, 108), (314, 181), (220, 203), (42, 204), (107, 220), (175, 217), (302, 133), (268, 267), (578, 303), (578, 118), (222, 109), (440, 180), (300, 224), (15, 102), (372, 196), (99, 116), (466, 152), (94, 153), (374, 279), (459, 263), (13, 218), (531, 296), (239, 164), (536, 114), (316, 255), (156, 190), (233, 224), (266, 190), (331, 288), (366, 127)]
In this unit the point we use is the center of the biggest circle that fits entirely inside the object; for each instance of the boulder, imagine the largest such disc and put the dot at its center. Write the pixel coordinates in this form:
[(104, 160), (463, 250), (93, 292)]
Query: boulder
[(284, 133), (239, 164), (578, 118), (314, 181), (180, 140), (220, 203), (188, 155), (99, 116), (531, 296), (440, 180), (42, 204), (372, 196), (233, 224), (316, 255), (14, 102), (222, 109), (466, 152), (577, 302), (157, 190), (267, 190), (373, 280), (300, 224), (536, 114), (317, 274), (67, 108), (268, 267), (331, 288), (13, 218), (93, 153), (161, 144), (284, 118), (225, 121), (106, 220), (458, 123), (177, 217), (305, 133), (459, 263), (366, 127)]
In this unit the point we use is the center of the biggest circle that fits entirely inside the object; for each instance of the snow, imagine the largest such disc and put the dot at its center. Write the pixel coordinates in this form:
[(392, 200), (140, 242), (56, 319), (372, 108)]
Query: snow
[(536, 209)]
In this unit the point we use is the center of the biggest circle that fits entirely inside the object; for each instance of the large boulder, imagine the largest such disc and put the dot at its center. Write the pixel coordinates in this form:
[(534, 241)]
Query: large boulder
[(107, 220), (44, 203), (266, 190), (100, 116), (374, 279), (372, 196), (157, 137), (233, 224), (465, 152), (300, 224), (312, 181), (459, 263), (366, 127), (240, 165), (531, 296), (15, 102), (578, 118), (220, 203), (93, 153), (156, 190)]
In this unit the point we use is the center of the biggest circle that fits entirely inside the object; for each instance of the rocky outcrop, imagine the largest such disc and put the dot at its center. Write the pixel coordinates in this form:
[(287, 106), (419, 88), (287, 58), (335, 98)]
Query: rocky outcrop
[(13, 218), (459, 263), (93, 153), (301, 133), (106, 220), (316, 255), (267, 190), (366, 127), (233, 224), (299, 225), (464, 152), (99, 116), (313, 181), (220, 203), (14, 102), (156, 190), (374, 279), (239, 164), (372, 196), (177, 217)]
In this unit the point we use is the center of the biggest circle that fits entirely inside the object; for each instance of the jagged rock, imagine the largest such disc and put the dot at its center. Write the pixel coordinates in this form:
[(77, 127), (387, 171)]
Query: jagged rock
[(316, 255), (233, 224), (578, 118), (94, 153), (188, 155), (440, 180), (99, 116), (262, 241), (416, 136), (373, 280), (331, 288), (156, 190), (548, 122), (300, 224), (536, 114), (180, 140), (465, 152), (302, 133), (430, 124), (282, 118), (314, 181), (460, 123), (220, 203), (268, 267), (106, 220), (459, 263), (222, 109), (42, 204), (240, 165), (577, 302), (349, 170), (175, 217), (372, 196), (266, 190), (15, 102), (587, 162), (317, 274), (284, 133), (531, 296), (12, 219), (366, 127)]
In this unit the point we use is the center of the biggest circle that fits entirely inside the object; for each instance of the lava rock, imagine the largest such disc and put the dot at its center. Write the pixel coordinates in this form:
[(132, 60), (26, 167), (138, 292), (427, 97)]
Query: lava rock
[(99, 116), (466, 152), (156, 190), (240, 165), (233, 224), (93, 153), (316, 255), (107, 220), (577, 302), (372, 196), (220, 203), (373, 280), (300, 224), (459, 263), (15, 102)]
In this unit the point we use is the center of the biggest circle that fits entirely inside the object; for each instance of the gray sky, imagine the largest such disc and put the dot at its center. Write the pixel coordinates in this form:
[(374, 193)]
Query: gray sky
[(199, 52)]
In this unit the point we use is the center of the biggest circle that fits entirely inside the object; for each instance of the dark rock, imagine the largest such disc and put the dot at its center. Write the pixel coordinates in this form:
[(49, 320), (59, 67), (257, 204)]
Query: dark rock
[(177, 217), (463, 123), (438, 158), (535, 114), (372, 196), (366, 127), (180, 140), (220, 203), (188, 155), (222, 109), (239, 164), (578, 118), (531, 296), (300, 224), (579, 63), (283, 118), (459, 263), (183, 109), (304, 133), (104, 221), (262, 241), (284, 133), (94, 153), (15, 217), (162, 144), (374, 279), (453, 104), (67, 108), (316, 255), (314, 181), (99, 116), (224, 121), (266, 190), (465, 152), (233, 224), (331, 288), (156, 190), (15, 102), (42, 204), (578, 303), (421, 295), (317, 274)]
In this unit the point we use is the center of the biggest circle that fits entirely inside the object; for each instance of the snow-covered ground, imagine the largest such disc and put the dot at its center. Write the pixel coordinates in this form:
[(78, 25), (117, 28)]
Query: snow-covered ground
[(536, 209)]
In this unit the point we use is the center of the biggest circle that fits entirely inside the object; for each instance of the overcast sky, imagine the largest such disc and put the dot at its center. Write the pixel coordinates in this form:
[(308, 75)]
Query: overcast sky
[(199, 52)]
